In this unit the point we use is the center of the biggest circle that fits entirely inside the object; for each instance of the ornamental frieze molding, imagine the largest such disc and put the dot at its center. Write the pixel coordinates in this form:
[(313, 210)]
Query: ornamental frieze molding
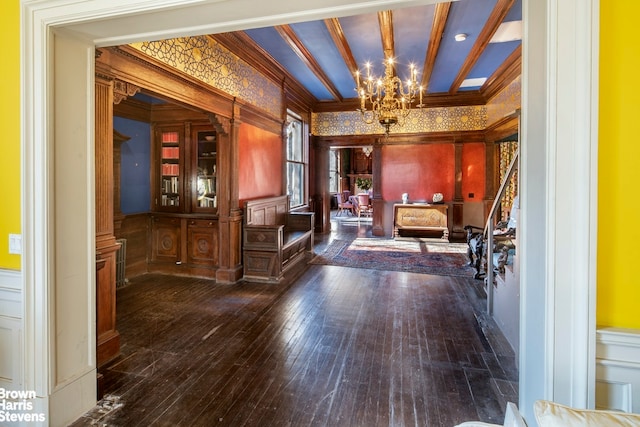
[(122, 90)]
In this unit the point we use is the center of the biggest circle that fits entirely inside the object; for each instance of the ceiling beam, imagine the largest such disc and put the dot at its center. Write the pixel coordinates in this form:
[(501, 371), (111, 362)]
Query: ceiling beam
[(289, 36), (504, 74), (385, 20), (495, 19), (339, 39), (440, 17)]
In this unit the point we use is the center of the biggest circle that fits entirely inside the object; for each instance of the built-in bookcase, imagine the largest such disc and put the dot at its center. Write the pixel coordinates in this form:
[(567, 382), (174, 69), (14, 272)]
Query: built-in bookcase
[(187, 168), (170, 191), (205, 165)]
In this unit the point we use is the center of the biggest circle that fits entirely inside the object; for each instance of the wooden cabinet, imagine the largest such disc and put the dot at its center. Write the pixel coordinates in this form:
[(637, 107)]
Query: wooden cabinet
[(170, 168), (414, 218), (185, 178), (184, 236), (202, 246), (165, 239), (184, 245), (204, 170)]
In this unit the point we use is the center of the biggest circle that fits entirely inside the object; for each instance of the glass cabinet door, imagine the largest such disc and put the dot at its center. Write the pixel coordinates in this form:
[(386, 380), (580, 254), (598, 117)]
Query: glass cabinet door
[(171, 163), (206, 171)]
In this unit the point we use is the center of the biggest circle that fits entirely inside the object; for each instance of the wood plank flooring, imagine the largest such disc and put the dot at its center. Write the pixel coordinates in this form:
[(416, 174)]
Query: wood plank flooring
[(337, 347)]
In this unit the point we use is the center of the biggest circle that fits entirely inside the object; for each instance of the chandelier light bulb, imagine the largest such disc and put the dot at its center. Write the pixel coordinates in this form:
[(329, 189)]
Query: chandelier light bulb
[(389, 100)]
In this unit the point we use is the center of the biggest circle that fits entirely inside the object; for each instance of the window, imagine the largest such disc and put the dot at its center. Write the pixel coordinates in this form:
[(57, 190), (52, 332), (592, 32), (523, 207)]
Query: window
[(334, 171), (296, 162)]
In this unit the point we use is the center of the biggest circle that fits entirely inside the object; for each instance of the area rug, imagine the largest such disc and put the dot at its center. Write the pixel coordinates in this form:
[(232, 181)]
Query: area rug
[(413, 256)]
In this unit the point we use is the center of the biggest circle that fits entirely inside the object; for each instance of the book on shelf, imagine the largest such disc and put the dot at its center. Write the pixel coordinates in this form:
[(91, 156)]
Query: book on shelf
[(169, 137), (170, 185), (170, 152), (170, 169)]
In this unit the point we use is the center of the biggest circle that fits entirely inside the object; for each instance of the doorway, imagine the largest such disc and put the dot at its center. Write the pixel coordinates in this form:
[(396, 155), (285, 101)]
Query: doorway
[(49, 278)]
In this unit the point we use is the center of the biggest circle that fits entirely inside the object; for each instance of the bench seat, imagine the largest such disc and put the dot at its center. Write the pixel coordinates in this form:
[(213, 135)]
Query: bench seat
[(274, 239)]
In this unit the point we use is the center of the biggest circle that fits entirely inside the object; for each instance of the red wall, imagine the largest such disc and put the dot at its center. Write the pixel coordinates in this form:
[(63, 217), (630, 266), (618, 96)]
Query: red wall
[(260, 173), (473, 172), (419, 170), (424, 169)]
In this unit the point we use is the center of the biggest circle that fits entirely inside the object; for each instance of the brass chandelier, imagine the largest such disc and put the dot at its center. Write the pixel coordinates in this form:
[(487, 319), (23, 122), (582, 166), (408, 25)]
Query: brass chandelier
[(387, 99)]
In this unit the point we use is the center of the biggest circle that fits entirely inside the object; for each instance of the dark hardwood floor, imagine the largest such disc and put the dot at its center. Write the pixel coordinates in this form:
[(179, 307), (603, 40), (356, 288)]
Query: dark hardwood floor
[(336, 347)]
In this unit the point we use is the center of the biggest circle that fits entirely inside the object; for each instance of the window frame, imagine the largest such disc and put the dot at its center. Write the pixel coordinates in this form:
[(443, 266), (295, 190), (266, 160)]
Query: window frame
[(299, 158)]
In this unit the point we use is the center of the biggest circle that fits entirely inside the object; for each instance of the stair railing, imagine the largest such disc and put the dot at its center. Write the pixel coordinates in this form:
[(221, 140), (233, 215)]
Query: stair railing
[(489, 228)]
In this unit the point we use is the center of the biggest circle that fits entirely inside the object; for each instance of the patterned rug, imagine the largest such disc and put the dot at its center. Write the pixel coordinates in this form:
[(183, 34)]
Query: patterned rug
[(413, 256)]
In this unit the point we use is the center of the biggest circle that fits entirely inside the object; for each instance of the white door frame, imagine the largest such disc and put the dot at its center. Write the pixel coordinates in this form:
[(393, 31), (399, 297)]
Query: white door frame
[(559, 175)]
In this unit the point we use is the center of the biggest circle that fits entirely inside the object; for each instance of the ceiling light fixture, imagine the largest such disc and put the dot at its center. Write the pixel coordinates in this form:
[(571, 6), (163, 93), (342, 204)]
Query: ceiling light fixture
[(387, 99), (460, 37)]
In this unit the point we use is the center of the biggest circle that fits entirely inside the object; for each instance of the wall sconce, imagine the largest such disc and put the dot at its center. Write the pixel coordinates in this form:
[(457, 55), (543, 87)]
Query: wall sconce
[(367, 150)]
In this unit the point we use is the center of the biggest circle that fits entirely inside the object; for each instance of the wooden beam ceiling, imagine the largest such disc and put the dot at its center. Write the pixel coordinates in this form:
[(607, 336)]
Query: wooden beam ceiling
[(495, 19), (289, 36), (440, 17), (385, 21)]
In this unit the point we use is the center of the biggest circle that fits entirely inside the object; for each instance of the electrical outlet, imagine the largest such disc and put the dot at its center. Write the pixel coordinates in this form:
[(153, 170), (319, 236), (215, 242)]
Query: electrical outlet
[(15, 244)]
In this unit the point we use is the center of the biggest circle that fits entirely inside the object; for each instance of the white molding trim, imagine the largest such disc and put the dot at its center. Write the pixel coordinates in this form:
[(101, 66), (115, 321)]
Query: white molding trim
[(558, 169), (618, 369), (558, 175)]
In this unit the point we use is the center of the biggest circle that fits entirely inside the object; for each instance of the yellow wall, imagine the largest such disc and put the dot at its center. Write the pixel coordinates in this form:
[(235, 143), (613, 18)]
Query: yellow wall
[(10, 125), (618, 301)]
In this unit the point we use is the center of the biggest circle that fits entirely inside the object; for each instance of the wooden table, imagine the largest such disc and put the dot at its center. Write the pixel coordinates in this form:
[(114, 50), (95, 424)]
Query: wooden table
[(420, 217)]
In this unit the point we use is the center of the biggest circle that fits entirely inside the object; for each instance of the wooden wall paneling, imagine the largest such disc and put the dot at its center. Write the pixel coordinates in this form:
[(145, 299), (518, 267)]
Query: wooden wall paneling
[(135, 229), (108, 338), (118, 139), (378, 202), (457, 212), (321, 200), (229, 212)]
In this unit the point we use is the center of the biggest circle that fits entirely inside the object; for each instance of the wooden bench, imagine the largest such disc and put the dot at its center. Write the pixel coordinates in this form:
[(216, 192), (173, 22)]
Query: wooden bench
[(274, 239)]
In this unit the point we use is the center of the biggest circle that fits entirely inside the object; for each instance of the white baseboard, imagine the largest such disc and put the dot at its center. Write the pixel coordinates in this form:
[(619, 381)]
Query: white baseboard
[(618, 369)]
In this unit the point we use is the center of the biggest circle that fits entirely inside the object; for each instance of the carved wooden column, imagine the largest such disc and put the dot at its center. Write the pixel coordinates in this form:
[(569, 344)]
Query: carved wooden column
[(108, 338), (457, 211), (118, 139), (229, 212), (378, 203)]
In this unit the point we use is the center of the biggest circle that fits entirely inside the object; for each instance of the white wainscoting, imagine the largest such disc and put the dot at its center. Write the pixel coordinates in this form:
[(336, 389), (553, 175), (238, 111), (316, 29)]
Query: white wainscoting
[(618, 369), (11, 316)]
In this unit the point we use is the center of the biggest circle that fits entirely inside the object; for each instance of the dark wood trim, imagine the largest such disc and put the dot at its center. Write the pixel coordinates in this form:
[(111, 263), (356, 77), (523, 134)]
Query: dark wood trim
[(291, 38), (130, 65), (440, 17), (502, 128), (133, 109), (415, 138), (508, 71), (495, 19), (257, 117), (337, 34), (173, 112), (385, 21)]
